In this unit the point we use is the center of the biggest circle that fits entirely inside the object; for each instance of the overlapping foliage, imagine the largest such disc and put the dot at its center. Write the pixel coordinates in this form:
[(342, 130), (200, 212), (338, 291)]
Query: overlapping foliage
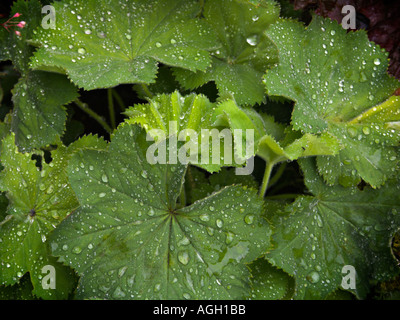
[(115, 226)]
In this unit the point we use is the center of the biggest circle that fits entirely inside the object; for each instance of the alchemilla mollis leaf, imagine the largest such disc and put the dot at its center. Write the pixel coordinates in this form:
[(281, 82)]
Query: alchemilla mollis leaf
[(317, 236), (335, 76), (39, 115), (245, 53), (102, 44), (39, 198), (129, 240)]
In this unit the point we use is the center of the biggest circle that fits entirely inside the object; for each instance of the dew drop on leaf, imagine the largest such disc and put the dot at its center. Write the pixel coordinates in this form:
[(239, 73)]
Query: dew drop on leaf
[(183, 257)]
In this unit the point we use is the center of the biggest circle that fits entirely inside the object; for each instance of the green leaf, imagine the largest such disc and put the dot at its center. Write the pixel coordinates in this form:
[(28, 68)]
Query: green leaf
[(39, 116), (39, 198), (273, 141), (19, 291), (270, 283), (335, 76), (316, 236), (245, 53), (129, 240), (198, 186), (102, 44), (16, 48), (189, 115)]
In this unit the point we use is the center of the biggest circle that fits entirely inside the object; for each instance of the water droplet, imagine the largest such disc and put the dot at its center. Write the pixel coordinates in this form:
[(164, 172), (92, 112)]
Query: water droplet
[(118, 293), (352, 131), (158, 44), (104, 178), (219, 223), (204, 217), (366, 130), (87, 31), (157, 287), (229, 237), (102, 195), (333, 32), (173, 41), (313, 277), (377, 62), (252, 40), (183, 257), (211, 208), (81, 50), (128, 36), (144, 174), (249, 219), (77, 250)]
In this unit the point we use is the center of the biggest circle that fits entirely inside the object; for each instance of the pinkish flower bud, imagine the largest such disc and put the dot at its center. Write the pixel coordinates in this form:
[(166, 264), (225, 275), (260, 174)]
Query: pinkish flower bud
[(16, 15), (21, 24), (17, 33)]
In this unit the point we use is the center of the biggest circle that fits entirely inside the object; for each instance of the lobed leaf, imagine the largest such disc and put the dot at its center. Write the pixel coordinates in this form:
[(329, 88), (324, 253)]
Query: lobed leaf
[(245, 52), (273, 141), (129, 240), (335, 77), (39, 116), (103, 44), (316, 236), (187, 118)]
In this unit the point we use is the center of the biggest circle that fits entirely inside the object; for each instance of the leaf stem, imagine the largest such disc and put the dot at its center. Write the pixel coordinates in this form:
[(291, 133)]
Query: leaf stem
[(119, 100), (267, 173), (111, 107), (85, 108), (278, 174), (147, 91)]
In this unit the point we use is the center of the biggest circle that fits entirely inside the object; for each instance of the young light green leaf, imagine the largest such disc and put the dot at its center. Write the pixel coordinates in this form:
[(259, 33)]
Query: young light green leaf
[(273, 141), (129, 240), (335, 77), (316, 236), (245, 53), (102, 44), (39, 116), (190, 119)]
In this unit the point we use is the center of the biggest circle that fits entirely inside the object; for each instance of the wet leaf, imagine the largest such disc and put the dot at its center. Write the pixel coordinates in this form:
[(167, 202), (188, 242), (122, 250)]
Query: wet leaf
[(40, 197), (316, 236), (245, 52), (102, 44), (274, 142), (269, 282), (39, 115), (335, 77), (190, 119), (128, 239)]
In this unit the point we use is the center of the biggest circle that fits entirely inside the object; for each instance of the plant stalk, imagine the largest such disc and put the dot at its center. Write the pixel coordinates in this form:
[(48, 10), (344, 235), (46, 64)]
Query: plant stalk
[(111, 107), (85, 108), (267, 174)]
